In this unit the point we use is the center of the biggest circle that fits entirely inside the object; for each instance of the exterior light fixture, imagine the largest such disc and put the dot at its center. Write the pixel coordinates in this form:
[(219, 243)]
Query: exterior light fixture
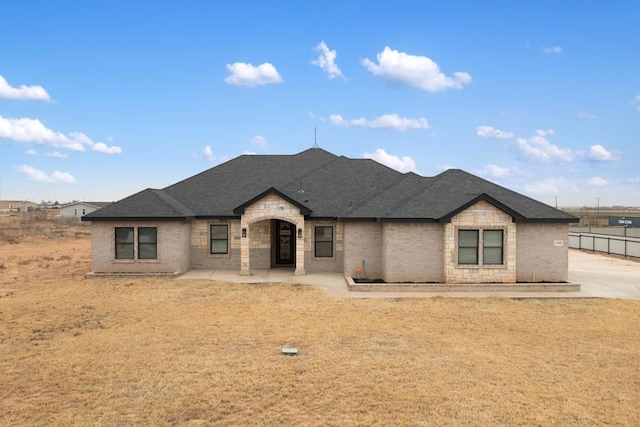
[(244, 232)]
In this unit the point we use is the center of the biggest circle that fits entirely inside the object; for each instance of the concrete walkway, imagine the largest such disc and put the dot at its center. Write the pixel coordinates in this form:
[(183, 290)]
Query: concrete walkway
[(600, 276)]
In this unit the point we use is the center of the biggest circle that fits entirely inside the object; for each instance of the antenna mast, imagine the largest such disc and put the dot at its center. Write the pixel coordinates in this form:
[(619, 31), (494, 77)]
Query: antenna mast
[(315, 138)]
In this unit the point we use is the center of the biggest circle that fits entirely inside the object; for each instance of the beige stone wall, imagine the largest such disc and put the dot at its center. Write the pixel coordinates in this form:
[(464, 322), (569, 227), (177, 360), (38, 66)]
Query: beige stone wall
[(363, 241), (200, 256), (334, 264), (480, 216), (413, 252), (173, 248), (543, 252)]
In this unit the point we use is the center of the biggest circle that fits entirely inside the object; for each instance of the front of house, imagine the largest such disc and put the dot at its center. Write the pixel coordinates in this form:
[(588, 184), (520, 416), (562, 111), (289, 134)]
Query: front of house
[(317, 212)]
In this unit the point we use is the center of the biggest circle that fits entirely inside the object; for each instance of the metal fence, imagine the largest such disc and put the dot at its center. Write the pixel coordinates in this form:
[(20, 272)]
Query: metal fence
[(610, 244), (612, 231)]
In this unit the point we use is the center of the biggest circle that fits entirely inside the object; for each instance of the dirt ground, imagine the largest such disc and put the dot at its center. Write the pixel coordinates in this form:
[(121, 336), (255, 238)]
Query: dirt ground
[(160, 351)]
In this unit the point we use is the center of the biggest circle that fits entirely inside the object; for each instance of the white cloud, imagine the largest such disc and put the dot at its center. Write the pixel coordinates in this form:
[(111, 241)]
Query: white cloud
[(597, 181), (22, 92), (243, 74), (600, 154), (587, 116), (547, 186), (539, 149), (33, 131), (636, 103), (101, 147), (416, 71), (32, 152), (401, 164), (259, 141), (327, 60), (35, 175), (57, 155), (543, 133), (553, 49), (208, 153), (249, 153), (494, 171), (386, 121), (491, 132)]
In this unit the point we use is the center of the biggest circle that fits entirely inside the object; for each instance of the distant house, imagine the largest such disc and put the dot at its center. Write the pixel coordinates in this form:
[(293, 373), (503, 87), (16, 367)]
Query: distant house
[(318, 212), (17, 206), (78, 209)]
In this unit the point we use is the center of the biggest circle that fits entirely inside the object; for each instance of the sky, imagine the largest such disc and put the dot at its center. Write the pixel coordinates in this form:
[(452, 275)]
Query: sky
[(102, 99)]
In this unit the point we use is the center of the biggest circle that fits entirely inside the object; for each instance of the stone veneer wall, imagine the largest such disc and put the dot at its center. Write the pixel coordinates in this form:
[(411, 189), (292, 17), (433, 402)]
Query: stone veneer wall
[(173, 248), (363, 241), (412, 252), (313, 264), (200, 256), (543, 253), (271, 207), (480, 216)]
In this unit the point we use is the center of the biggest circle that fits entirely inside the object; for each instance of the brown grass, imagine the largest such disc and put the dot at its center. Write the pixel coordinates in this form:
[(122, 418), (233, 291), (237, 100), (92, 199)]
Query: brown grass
[(39, 225), (77, 351)]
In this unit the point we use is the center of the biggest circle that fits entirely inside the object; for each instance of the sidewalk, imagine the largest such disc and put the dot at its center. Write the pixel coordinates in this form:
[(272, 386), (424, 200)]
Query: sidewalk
[(600, 276)]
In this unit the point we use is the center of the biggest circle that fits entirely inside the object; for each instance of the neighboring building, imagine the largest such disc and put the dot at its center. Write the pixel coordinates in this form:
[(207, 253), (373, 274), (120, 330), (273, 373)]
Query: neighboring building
[(17, 206), (78, 209), (318, 212)]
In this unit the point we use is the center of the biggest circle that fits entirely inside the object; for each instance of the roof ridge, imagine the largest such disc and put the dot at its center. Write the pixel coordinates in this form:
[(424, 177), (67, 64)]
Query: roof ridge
[(171, 202), (365, 202), (428, 183), (300, 177)]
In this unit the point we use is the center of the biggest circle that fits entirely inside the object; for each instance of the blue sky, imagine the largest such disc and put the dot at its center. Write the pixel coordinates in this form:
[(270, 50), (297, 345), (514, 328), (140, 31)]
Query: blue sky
[(99, 100)]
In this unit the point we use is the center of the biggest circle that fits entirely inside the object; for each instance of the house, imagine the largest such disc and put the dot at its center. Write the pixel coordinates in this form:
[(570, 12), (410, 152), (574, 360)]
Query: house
[(78, 209), (318, 212), (17, 206)]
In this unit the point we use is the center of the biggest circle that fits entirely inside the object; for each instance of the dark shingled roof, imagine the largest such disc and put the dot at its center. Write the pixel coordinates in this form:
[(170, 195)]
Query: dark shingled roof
[(324, 185)]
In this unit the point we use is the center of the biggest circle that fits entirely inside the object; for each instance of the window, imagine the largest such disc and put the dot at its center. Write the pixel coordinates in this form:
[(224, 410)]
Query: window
[(467, 246), (324, 241), (84, 211), (124, 242), (147, 243), (219, 239), (492, 247)]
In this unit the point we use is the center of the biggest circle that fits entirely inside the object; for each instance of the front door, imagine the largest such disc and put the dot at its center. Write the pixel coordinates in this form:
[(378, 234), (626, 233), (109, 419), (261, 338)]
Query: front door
[(285, 243)]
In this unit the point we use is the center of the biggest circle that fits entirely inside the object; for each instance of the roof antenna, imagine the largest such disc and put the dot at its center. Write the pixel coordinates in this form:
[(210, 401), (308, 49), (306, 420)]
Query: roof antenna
[(315, 138)]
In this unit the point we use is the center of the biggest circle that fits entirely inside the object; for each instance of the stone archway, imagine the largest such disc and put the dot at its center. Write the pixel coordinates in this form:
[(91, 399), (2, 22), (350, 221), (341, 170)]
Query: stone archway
[(267, 208)]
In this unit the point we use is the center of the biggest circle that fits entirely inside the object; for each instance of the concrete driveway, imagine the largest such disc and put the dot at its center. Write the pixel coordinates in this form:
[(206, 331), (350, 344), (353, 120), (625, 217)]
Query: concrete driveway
[(600, 276), (604, 276)]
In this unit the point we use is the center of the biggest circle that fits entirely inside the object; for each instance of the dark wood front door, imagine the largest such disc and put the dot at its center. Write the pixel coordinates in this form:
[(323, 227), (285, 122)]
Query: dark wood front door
[(285, 243)]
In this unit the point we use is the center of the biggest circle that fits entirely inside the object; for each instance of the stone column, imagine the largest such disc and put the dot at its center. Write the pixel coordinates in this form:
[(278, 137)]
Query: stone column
[(245, 251), (300, 249)]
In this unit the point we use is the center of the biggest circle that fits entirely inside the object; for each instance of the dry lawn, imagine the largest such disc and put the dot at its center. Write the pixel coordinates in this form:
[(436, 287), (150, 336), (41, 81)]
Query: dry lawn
[(151, 351)]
